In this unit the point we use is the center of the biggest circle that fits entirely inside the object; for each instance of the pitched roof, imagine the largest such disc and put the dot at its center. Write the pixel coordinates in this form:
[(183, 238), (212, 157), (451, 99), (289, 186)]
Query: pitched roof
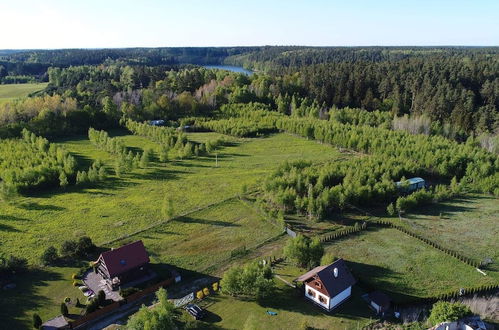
[(125, 258), (333, 284), (380, 299)]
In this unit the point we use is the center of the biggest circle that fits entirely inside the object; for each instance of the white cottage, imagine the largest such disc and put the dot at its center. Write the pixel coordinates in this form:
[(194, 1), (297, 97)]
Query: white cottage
[(328, 286)]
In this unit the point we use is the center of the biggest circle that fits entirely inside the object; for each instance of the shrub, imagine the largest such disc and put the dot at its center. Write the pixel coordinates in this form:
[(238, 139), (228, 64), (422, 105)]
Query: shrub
[(74, 277), (64, 309), (444, 311), (101, 297), (37, 321), (303, 251), (200, 294), (76, 283), (206, 292), (328, 259), (215, 286), (49, 256), (67, 299), (68, 249), (252, 280), (128, 291), (92, 306)]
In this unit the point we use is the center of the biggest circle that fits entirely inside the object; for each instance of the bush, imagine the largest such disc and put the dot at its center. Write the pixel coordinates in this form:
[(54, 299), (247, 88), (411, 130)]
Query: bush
[(303, 251), (206, 292), (328, 259), (200, 294), (49, 256), (92, 306), (444, 311), (37, 321), (128, 291), (215, 286), (64, 309), (101, 297), (74, 277), (252, 280), (68, 249)]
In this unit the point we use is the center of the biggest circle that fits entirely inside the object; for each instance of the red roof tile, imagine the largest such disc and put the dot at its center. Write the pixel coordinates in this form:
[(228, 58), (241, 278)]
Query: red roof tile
[(121, 260)]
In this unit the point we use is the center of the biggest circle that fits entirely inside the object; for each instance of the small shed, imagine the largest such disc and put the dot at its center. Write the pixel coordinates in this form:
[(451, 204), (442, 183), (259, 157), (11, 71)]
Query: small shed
[(411, 184), (379, 301), (158, 122)]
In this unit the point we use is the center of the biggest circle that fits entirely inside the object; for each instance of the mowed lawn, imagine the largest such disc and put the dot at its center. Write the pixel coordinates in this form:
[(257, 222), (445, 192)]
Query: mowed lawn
[(120, 206), (14, 91), (293, 312), (468, 225), (403, 266)]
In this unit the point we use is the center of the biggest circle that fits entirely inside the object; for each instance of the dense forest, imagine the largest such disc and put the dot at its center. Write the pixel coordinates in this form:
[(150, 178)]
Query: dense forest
[(456, 88)]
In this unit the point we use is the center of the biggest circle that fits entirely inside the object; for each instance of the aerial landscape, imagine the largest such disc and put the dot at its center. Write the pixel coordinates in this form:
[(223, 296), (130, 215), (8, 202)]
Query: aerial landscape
[(206, 165)]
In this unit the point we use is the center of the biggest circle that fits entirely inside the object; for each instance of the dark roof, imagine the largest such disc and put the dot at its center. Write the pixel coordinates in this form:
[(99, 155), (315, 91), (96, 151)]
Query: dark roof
[(334, 285), (121, 260), (380, 299)]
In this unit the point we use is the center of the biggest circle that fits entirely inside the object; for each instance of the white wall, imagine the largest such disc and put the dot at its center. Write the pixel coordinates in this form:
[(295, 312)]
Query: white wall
[(340, 297), (375, 306), (316, 298)]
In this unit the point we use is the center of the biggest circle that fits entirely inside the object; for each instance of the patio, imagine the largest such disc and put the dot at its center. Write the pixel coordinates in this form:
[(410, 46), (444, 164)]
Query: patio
[(95, 282)]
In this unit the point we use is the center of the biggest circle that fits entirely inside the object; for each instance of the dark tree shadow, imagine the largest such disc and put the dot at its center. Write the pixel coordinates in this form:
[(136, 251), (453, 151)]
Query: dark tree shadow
[(40, 207), (24, 297), (207, 222)]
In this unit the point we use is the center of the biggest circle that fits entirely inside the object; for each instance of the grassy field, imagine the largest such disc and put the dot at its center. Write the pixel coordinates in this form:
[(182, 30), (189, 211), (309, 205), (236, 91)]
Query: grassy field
[(14, 91), (467, 225), (204, 239), (293, 312), (403, 266), (120, 206)]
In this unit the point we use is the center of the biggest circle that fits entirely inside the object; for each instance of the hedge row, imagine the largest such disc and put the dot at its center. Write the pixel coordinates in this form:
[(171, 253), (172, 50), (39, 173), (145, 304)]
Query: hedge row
[(345, 232), (450, 252), (453, 294)]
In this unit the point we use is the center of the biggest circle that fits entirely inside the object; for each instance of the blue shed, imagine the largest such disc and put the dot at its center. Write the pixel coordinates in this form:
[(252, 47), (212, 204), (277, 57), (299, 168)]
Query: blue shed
[(413, 184)]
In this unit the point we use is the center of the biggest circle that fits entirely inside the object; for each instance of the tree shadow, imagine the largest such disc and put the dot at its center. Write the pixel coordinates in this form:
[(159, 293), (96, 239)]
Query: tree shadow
[(372, 277), (8, 228), (156, 174), (12, 218), (207, 222), (39, 207), (24, 297)]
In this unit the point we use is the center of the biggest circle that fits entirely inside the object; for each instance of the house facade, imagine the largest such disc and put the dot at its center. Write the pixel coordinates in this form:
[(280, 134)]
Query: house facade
[(124, 264), (328, 286)]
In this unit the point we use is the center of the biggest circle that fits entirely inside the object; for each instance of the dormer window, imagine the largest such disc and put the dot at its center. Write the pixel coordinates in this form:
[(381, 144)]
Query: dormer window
[(318, 284)]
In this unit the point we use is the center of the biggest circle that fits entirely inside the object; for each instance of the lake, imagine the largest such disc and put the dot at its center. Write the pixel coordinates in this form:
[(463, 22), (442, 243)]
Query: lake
[(238, 69)]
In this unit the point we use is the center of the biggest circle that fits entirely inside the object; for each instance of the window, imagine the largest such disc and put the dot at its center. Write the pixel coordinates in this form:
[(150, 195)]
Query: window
[(311, 293), (322, 299), (318, 284)]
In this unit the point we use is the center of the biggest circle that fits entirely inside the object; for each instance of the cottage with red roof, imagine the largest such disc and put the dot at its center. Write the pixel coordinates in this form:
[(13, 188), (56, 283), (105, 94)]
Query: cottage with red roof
[(328, 286), (123, 264)]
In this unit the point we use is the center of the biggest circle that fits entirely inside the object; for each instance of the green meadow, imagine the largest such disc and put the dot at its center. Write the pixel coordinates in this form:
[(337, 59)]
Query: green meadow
[(199, 241), (13, 91), (404, 267)]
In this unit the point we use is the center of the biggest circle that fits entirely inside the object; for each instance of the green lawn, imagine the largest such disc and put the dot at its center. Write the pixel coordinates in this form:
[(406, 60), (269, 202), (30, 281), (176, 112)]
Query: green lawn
[(13, 91), (468, 225), (293, 312), (120, 206), (403, 266)]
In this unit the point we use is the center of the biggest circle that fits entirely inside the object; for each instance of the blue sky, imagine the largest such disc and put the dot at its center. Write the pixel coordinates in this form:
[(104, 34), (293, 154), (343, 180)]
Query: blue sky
[(154, 23)]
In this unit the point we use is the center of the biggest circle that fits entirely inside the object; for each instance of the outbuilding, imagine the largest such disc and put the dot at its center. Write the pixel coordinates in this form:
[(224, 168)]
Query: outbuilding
[(411, 184), (328, 286), (379, 301)]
